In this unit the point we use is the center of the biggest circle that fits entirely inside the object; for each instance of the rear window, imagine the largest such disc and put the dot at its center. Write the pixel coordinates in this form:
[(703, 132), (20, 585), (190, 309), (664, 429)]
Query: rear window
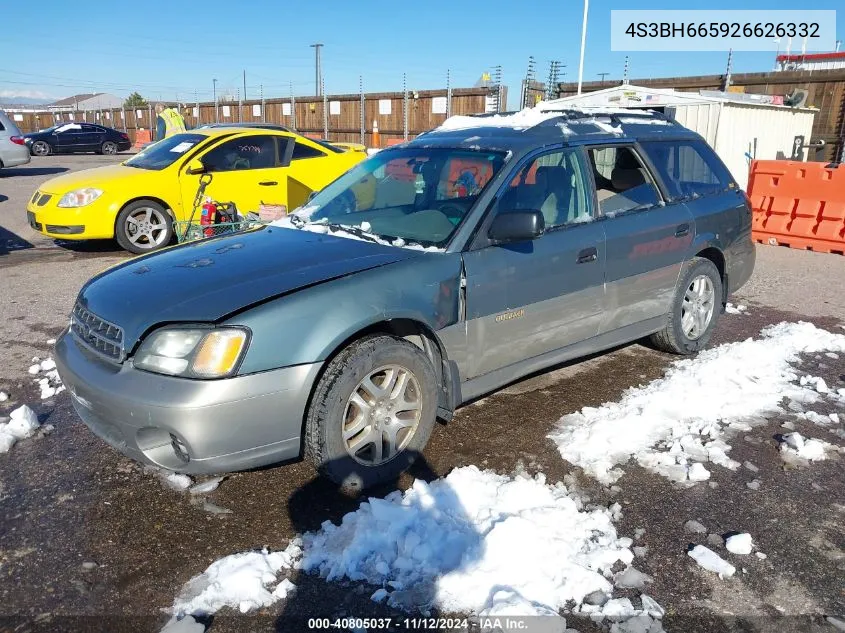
[(688, 168)]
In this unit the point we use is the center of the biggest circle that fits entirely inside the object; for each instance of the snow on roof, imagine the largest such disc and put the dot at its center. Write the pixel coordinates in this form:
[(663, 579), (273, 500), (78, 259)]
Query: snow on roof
[(522, 120)]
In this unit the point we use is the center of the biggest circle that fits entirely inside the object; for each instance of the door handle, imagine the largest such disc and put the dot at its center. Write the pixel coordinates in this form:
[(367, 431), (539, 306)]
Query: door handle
[(682, 230), (268, 183), (588, 255)]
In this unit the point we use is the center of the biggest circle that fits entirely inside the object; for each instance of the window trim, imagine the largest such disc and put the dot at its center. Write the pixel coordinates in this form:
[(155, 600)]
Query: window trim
[(634, 147), (478, 239), (320, 152)]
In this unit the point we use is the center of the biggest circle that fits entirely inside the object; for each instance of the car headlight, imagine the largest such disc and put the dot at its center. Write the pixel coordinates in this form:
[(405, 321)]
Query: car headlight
[(80, 197), (193, 352)]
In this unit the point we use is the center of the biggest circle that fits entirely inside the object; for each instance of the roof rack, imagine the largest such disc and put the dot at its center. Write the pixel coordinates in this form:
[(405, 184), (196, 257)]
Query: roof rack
[(572, 114)]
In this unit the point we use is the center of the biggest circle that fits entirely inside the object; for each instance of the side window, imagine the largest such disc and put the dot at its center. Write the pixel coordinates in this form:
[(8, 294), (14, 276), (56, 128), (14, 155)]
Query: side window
[(300, 151), (556, 184), (248, 152), (622, 181), (688, 168)]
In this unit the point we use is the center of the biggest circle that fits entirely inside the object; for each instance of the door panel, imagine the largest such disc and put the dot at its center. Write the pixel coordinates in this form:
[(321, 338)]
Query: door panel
[(533, 297), (645, 252), (530, 298), (243, 170)]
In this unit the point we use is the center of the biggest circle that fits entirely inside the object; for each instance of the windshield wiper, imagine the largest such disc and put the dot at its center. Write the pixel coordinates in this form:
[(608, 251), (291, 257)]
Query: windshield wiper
[(354, 230)]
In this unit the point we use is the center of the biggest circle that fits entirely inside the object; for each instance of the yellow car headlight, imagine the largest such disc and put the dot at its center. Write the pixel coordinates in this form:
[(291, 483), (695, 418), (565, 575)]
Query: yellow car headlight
[(193, 352), (80, 197)]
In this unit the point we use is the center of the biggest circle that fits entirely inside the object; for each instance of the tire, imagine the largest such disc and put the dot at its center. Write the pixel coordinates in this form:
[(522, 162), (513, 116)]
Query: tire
[(152, 221), (684, 333), (109, 148), (41, 148), (351, 462)]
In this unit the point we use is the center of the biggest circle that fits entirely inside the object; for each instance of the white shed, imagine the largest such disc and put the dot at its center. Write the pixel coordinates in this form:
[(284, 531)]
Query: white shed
[(737, 126)]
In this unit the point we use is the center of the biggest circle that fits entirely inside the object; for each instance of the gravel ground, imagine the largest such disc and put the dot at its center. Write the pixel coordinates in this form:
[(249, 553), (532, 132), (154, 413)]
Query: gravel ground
[(67, 499)]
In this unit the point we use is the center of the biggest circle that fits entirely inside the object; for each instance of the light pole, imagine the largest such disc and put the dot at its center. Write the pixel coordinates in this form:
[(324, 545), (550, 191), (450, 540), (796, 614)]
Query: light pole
[(216, 116), (583, 44), (318, 72)]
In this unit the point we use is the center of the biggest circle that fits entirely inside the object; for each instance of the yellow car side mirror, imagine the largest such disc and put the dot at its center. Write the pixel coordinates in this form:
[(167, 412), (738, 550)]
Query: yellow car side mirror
[(195, 167)]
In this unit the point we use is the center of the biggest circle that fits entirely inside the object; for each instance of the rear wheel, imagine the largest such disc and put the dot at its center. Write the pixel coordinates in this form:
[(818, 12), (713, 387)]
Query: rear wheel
[(40, 148), (109, 147), (143, 226), (695, 309), (372, 412)]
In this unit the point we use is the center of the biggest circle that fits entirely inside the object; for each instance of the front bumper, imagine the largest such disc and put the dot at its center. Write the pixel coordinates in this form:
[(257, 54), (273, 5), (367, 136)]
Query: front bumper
[(94, 221), (219, 425)]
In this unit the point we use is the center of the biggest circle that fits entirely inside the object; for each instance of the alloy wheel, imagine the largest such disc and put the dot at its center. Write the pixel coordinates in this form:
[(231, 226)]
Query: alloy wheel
[(698, 306)]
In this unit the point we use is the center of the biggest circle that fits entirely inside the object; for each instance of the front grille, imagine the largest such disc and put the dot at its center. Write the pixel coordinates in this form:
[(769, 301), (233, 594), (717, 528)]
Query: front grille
[(44, 199), (98, 335), (35, 196)]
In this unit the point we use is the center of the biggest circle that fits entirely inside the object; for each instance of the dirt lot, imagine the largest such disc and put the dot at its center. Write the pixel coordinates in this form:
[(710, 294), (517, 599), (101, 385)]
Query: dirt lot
[(67, 500)]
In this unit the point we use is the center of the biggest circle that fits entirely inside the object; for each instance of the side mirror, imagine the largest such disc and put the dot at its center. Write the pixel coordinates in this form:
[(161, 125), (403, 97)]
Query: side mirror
[(516, 226), (195, 166)]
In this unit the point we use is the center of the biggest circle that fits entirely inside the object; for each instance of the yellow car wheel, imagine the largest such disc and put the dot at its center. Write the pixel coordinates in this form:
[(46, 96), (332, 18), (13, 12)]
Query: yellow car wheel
[(143, 226)]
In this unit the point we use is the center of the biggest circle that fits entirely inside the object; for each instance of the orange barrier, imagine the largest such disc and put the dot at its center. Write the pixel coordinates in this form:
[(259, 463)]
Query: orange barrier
[(800, 205), (142, 137)]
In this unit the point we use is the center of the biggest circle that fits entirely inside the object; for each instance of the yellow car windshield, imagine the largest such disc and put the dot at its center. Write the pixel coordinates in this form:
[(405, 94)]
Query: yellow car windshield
[(165, 152)]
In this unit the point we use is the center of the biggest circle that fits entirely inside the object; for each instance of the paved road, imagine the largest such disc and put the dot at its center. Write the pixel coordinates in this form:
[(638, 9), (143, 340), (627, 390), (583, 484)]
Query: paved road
[(66, 498)]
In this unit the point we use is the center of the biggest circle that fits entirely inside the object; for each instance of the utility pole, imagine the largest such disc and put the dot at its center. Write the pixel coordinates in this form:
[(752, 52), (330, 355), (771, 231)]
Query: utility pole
[(583, 45), (602, 75), (728, 70), (625, 73), (318, 72), (529, 79), (216, 115), (244, 84)]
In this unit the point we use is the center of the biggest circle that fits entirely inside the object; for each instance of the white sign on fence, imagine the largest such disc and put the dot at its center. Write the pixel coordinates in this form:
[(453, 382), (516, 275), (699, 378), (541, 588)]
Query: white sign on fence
[(108, 115), (196, 111), (286, 109), (334, 107), (384, 106), (227, 111), (138, 114), (18, 117), (256, 109), (122, 115), (438, 105)]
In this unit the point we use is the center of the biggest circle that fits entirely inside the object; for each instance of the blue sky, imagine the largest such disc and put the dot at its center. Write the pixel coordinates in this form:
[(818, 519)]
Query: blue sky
[(88, 46)]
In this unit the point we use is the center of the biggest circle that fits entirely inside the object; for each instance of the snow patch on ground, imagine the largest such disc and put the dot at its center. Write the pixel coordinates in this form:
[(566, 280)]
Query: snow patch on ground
[(50, 384), (682, 418), (735, 309), (23, 424), (739, 543), (473, 542), (711, 561), (796, 445)]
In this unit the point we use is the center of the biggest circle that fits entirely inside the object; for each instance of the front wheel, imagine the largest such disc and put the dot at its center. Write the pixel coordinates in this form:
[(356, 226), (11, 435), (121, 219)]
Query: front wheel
[(143, 226), (372, 412), (40, 148), (695, 309)]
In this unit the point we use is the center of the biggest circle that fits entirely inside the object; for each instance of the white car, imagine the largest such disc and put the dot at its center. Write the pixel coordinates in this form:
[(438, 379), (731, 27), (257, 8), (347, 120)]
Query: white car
[(13, 149)]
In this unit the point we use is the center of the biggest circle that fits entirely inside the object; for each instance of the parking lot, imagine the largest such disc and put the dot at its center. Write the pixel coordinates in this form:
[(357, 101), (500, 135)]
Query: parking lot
[(90, 536)]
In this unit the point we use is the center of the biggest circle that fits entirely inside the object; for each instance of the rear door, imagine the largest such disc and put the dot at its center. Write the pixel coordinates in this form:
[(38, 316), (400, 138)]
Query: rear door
[(244, 170), (97, 136), (648, 236), (526, 299)]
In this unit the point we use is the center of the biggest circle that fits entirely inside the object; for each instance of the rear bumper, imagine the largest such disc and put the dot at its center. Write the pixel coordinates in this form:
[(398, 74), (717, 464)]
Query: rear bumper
[(219, 425), (14, 155)]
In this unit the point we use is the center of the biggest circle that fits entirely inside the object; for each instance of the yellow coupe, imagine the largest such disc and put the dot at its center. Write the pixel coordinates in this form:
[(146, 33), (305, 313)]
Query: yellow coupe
[(137, 201)]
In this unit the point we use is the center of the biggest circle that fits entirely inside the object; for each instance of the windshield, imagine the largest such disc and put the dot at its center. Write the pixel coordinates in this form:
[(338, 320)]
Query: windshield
[(165, 152), (417, 195)]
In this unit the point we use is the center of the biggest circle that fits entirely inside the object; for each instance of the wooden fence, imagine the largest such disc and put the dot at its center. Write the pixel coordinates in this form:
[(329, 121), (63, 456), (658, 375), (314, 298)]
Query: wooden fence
[(335, 117)]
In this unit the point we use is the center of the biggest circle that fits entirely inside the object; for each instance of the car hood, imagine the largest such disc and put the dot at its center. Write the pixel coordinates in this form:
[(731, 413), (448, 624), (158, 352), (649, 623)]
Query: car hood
[(205, 281), (100, 177)]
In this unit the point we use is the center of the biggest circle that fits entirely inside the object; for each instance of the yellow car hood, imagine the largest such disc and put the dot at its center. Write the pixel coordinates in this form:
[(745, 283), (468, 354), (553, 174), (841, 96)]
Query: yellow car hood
[(99, 177)]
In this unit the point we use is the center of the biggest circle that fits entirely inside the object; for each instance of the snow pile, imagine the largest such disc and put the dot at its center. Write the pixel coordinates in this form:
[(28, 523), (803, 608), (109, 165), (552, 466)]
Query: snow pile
[(453, 543), (522, 120), (680, 419), (473, 542), (738, 309), (239, 581), (739, 543), (23, 423), (711, 561), (796, 445), (51, 383)]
